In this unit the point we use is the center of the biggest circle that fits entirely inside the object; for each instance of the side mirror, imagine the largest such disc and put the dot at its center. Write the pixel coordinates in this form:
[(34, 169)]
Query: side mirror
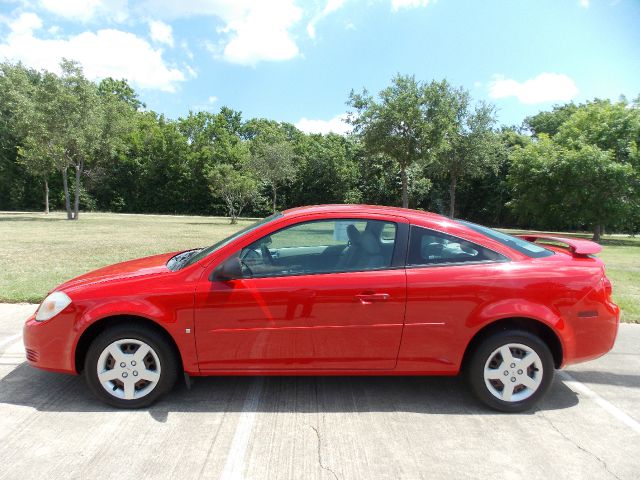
[(230, 269)]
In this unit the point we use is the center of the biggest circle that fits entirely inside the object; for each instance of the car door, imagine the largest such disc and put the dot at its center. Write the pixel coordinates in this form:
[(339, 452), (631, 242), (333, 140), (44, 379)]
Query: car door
[(449, 279), (309, 298)]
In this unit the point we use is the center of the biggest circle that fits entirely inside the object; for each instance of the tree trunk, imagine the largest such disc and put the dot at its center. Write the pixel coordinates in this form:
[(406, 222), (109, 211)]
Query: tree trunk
[(76, 199), (65, 186), (405, 193), (46, 196), (232, 212), (273, 187), (452, 195), (596, 233)]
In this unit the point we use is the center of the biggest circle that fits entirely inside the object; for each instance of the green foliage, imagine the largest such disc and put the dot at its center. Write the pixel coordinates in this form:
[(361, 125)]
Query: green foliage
[(273, 164), (237, 188), (549, 122), (424, 144), (587, 173), (402, 125), (555, 186), (469, 146)]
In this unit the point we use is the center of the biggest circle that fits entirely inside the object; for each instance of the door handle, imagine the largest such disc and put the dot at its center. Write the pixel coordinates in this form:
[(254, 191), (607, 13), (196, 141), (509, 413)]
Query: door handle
[(366, 298)]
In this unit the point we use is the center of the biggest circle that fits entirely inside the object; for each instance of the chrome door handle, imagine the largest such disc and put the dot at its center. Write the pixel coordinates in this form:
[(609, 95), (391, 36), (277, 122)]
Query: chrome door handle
[(372, 297)]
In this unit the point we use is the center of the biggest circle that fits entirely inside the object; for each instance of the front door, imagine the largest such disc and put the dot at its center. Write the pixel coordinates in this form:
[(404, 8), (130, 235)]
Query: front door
[(322, 294)]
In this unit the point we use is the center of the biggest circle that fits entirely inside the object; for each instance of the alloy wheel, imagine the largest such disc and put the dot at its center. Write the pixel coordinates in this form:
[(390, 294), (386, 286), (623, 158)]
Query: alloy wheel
[(513, 372), (129, 369)]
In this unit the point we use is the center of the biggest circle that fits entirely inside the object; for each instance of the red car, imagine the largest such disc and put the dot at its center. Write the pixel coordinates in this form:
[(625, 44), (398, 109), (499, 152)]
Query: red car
[(335, 290)]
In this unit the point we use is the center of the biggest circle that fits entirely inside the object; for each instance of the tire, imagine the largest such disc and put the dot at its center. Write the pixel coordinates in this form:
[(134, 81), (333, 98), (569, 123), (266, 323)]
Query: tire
[(130, 377), (503, 385)]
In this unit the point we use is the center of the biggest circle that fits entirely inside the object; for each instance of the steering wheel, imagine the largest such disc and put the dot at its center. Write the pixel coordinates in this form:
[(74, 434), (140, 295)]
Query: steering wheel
[(267, 258), (248, 255)]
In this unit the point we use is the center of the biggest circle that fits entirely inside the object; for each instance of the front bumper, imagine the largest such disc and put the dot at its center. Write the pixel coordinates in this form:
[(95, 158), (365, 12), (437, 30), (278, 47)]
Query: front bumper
[(48, 345)]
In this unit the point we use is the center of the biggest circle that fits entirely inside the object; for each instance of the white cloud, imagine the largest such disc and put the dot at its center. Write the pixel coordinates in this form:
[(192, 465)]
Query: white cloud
[(25, 24), (330, 7), (161, 32), (262, 33), (584, 3), (337, 124), (398, 4), (187, 50), (252, 31), (86, 10), (212, 99), (105, 53), (546, 87)]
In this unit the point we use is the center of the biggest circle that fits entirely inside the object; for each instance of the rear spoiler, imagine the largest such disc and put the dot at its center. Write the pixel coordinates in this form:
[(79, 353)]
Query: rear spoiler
[(576, 246)]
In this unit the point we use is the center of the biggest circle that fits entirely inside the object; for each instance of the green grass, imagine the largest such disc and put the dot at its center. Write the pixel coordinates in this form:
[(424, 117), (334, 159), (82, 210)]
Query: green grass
[(37, 252)]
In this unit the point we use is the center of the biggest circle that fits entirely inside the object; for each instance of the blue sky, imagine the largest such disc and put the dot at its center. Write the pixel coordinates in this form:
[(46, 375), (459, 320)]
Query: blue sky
[(296, 61)]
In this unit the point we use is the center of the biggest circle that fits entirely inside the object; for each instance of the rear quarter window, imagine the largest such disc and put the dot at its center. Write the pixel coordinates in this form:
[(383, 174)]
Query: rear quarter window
[(529, 249), (429, 247)]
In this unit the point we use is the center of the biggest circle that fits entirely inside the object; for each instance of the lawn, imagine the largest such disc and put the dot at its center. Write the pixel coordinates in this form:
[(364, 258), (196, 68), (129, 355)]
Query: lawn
[(40, 251)]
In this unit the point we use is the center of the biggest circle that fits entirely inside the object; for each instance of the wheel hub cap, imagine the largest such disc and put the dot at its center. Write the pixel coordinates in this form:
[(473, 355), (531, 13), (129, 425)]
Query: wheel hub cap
[(128, 369), (513, 372)]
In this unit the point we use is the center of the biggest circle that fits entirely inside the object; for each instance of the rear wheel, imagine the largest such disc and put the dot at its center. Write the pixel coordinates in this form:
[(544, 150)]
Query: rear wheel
[(130, 366), (510, 371)]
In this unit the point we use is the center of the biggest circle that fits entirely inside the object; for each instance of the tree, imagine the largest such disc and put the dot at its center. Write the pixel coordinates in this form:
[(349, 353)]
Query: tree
[(401, 125), (483, 199), (327, 170), (469, 146), (558, 186), (122, 90), (69, 125), (273, 164), (17, 94), (236, 188), (549, 122)]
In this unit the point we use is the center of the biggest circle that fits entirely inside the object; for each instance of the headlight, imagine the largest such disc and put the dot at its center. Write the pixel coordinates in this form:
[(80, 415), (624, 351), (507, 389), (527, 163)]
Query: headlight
[(52, 305)]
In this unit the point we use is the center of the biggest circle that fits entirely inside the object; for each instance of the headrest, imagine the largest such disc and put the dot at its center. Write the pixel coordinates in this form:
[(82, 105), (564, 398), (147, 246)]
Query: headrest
[(431, 250), (353, 233), (369, 243)]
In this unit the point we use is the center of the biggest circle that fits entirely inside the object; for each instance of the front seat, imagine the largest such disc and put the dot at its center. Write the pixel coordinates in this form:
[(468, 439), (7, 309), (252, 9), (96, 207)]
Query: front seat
[(371, 252), (351, 254)]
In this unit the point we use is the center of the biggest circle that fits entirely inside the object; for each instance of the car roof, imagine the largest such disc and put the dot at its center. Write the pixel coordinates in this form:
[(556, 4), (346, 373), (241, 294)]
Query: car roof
[(357, 208)]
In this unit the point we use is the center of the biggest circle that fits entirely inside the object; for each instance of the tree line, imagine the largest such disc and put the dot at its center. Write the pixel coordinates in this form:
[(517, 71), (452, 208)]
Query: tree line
[(75, 144)]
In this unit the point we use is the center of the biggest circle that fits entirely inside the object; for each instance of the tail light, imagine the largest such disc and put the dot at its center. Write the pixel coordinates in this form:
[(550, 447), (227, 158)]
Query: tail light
[(608, 287)]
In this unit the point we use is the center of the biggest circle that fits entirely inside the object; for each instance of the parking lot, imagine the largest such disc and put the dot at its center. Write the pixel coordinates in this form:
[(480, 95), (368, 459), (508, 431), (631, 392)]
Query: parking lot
[(321, 427)]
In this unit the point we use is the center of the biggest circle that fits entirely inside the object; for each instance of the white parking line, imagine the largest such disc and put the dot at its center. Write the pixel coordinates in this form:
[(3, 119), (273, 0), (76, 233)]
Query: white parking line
[(10, 339), (581, 388), (234, 466)]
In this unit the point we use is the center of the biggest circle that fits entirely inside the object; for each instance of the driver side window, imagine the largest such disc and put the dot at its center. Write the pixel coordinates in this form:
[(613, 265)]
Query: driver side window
[(322, 246)]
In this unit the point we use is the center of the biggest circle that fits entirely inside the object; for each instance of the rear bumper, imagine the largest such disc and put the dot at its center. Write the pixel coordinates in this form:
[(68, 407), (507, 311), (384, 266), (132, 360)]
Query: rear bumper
[(593, 336), (46, 346)]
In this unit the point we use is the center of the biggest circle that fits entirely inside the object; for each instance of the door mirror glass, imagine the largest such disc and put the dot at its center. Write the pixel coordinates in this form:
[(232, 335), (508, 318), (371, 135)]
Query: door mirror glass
[(230, 269)]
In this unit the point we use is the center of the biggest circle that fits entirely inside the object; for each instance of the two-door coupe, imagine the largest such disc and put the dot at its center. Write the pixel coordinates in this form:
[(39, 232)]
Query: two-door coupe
[(335, 290)]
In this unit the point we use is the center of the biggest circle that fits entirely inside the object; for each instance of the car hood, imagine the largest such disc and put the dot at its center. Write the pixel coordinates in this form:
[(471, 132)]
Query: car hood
[(153, 265)]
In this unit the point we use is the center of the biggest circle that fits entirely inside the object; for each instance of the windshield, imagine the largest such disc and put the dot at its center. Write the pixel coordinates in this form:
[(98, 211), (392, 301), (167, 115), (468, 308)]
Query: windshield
[(200, 254), (527, 248)]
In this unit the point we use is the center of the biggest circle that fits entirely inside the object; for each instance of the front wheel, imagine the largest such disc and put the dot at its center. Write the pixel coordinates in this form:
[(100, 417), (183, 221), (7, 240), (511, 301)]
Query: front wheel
[(511, 370), (130, 366)]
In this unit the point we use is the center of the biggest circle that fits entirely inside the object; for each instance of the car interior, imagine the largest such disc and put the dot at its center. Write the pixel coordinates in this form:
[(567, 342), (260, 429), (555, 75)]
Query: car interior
[(321, 247)]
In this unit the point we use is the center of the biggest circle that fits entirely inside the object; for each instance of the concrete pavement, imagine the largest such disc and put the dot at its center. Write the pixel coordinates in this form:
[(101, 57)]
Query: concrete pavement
[(319, 428)]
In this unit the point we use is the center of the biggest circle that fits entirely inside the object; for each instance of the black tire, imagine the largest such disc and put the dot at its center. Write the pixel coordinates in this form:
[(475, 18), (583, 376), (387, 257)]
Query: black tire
[(163, 359), (480, 357)]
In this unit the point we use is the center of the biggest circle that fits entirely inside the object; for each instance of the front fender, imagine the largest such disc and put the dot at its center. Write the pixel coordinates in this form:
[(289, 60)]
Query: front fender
[(174, 316)]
